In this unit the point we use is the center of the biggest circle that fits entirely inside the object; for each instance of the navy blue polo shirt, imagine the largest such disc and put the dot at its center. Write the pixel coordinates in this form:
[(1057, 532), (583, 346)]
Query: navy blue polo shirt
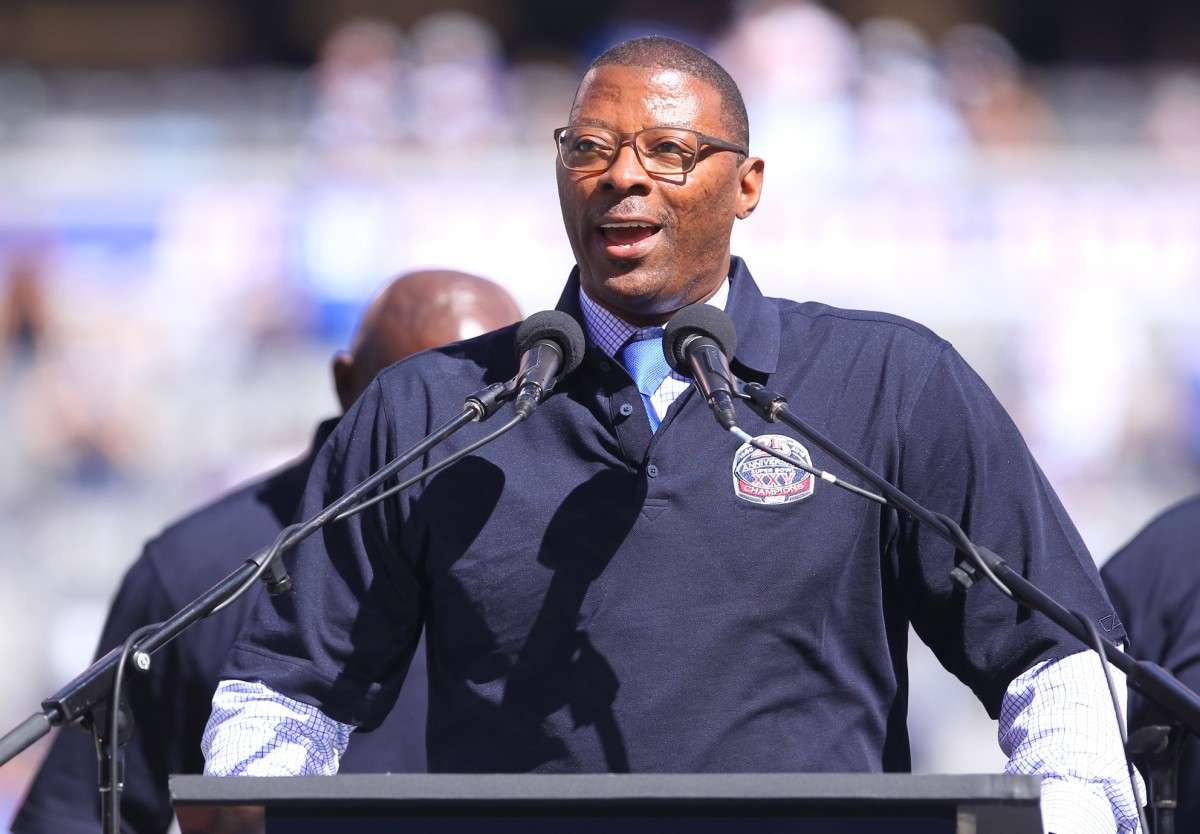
[(1154, 583), (601, 598), (172, 702)]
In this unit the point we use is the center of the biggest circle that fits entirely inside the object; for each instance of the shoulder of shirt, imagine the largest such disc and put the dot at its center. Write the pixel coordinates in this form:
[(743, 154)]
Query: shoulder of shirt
[(208, 543), (490, 355), (864, 323), (1166, 538)]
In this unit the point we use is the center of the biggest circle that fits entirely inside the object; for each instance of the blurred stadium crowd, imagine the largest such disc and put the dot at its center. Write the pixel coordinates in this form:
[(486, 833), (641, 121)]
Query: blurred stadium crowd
[(182, 250)]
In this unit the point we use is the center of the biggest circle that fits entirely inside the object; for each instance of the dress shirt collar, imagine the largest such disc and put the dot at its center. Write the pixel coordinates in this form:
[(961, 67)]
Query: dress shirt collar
[(610, 332)]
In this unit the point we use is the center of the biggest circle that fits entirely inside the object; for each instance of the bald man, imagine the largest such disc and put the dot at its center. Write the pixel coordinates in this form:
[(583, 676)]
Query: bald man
[(414, 312)]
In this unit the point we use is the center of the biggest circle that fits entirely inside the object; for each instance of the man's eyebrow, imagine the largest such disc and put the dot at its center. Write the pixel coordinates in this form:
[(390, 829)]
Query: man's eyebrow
[(609, 126), (593, 123)]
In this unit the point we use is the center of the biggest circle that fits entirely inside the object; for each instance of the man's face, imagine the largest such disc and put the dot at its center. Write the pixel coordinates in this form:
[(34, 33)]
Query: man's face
[(676, 252)]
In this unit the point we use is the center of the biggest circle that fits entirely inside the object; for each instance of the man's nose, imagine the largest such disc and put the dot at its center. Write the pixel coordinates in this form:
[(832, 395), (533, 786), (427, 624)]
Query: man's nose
[(626, 171)]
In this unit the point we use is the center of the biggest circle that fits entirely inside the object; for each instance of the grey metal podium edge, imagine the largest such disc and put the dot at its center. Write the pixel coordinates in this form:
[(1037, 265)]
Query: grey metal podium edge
[(407, 789)]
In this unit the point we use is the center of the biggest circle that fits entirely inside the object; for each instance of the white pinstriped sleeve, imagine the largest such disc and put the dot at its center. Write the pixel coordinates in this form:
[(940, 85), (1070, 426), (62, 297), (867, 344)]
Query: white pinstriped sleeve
[(255, 731), (1057, 721)]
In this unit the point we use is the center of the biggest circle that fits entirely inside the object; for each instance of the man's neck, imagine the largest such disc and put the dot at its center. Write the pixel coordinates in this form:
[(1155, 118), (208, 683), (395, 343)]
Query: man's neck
[(608, 330)]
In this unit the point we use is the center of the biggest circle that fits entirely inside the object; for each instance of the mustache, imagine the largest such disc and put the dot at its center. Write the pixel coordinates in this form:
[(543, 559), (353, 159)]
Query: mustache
[(627, 209)]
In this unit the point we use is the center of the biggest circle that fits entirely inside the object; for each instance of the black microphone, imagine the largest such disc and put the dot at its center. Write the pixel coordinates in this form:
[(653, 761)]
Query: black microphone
[(550, 345), (697, 342)]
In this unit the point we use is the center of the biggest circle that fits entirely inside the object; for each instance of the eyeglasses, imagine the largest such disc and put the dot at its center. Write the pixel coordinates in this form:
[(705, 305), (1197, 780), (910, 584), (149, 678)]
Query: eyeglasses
[(660, 150)]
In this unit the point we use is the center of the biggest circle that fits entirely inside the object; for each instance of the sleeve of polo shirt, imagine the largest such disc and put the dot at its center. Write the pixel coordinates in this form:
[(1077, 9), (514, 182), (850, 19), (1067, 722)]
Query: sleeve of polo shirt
[(343, 637), (961, 455)]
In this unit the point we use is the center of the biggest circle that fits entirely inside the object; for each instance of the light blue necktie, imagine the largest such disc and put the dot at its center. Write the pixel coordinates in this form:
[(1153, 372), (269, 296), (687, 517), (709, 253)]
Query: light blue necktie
[(646, 364)]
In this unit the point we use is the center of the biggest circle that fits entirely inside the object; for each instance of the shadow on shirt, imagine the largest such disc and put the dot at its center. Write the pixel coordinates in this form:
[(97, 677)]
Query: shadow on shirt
[(512, 667)]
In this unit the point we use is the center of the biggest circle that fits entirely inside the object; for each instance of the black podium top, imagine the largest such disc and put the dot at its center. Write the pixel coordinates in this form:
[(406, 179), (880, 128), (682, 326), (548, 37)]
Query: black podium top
[(662, 803)]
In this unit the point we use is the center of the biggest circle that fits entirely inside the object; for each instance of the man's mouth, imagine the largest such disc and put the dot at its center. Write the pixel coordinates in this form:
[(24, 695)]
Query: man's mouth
[(628, 238)]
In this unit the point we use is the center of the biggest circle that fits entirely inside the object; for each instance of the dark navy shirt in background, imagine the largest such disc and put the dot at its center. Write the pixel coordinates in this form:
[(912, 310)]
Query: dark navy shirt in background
[(1154, 583), (597, 597), (172, 703)]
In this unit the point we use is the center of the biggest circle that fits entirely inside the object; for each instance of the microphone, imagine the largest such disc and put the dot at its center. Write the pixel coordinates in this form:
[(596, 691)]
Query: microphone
[(550, 345), (697, 342)]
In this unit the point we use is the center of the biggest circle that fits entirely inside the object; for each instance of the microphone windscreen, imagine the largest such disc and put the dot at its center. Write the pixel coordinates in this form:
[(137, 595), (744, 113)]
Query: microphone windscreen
[(697, 320), (555, 326)]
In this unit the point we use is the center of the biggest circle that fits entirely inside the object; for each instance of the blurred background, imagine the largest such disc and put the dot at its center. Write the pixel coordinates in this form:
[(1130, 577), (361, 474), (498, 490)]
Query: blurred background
[(196, 198)]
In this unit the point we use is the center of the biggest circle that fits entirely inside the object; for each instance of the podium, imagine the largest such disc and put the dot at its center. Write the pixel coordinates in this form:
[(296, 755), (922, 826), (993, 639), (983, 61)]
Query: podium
[(771, 803)]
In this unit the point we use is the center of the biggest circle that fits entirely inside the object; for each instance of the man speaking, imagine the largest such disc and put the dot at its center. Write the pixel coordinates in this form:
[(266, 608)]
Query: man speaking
[(599, 591)]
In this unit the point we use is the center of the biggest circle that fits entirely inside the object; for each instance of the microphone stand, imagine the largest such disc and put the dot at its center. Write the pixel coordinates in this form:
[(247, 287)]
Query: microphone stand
[(1151, 680), (1160, 747), (88, 697)]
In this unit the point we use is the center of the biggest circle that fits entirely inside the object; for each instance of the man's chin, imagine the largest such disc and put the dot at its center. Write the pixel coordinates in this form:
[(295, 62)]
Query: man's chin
[(636, 304), (632, 286), (623, 266)]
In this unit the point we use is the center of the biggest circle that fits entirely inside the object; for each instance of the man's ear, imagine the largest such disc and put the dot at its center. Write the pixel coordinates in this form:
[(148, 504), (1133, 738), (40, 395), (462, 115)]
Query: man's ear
[(751, 172), (343, 379)]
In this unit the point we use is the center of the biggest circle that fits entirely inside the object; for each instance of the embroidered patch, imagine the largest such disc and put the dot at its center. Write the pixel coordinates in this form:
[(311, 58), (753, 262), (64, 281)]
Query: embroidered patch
[(761, 478)]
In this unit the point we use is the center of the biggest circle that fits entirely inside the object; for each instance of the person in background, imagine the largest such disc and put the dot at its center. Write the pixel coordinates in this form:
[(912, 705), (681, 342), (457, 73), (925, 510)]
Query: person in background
[(615, 584), (1154, 583), (22, 307), (415, 312)]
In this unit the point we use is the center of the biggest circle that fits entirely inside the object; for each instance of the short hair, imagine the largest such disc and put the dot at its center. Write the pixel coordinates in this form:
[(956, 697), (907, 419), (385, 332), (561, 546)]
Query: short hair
[(658, 52)]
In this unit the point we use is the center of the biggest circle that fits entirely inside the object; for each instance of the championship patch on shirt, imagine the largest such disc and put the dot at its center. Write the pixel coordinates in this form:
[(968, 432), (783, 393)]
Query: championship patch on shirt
[(761, 478)]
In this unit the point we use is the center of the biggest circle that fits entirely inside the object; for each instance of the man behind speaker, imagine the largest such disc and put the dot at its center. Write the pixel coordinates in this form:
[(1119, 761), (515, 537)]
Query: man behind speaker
[(1154, 583)]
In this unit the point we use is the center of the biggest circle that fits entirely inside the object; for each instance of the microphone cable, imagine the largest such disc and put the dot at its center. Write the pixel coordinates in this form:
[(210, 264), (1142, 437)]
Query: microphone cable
[(1098, 645)]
